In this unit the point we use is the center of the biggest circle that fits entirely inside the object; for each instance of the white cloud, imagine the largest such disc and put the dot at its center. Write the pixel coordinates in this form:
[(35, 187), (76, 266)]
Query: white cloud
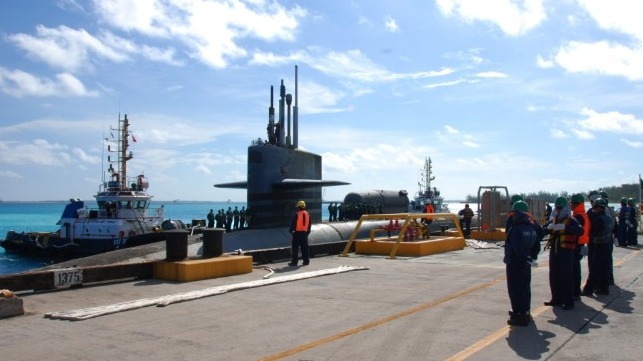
[(64, 48), (470, 144), (622, 57), (623, 16), (38, 152), (633, 144), (18, 83), (543, 63), (451, 130), (491, 74), (391, 25), (351, 64), (557, 133), (210, 29), (83, 156), (602, 57), (9, 174), (513, 17), (445, 84), (613, 122)]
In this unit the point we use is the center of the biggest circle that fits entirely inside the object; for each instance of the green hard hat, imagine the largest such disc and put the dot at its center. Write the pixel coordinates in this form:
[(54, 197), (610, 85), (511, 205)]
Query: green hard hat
[(577, 198), (520, 205), (600, 202), (515, 198), (623, 200), (591, 193), (630, 201), (603, 194), (561, 202)]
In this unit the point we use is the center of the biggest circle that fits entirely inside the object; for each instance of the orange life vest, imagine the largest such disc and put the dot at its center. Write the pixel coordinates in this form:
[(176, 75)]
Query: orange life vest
[(303, 221), (580, 210), (567, 241), (429, 209)]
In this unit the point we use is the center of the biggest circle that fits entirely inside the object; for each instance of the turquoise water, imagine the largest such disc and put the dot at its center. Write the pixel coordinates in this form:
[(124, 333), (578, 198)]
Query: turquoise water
[(42, 217)]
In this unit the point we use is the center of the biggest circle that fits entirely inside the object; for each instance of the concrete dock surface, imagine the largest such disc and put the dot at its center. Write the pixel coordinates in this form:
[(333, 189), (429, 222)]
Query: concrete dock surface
[(450, 306)]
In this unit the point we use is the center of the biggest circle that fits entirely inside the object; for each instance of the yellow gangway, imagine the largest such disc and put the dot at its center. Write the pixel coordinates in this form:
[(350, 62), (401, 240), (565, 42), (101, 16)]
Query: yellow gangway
[(416, 248)]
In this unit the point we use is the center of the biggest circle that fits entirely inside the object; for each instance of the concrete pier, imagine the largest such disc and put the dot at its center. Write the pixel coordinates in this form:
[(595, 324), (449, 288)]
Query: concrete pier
[(449, 306)]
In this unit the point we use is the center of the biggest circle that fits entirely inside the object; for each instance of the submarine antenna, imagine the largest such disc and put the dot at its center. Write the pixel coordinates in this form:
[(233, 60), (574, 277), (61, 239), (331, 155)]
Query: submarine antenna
[(295, 117), (282, 95), (288, 103), (271, 120)]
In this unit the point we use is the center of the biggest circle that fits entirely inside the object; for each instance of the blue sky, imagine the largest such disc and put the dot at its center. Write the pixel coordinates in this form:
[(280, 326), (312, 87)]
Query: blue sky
[(532, 95)]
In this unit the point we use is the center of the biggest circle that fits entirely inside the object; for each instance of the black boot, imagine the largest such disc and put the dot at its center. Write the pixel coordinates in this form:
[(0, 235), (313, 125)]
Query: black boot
[(519, 319)]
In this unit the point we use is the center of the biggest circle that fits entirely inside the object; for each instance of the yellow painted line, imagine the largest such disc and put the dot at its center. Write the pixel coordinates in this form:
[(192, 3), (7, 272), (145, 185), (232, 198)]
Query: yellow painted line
[(491, 338), (376, 323)]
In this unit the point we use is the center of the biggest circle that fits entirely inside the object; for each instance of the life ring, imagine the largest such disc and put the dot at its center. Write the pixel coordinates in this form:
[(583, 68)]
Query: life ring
[(131, 233), (121, 234)]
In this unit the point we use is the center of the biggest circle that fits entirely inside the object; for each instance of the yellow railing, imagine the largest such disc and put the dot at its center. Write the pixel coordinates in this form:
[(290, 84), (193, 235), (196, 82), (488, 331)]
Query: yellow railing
[(408, 218)]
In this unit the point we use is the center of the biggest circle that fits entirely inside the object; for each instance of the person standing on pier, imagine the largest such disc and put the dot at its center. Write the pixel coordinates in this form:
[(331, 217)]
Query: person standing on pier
[(300, 226), (564, 231), (466, 214), (521, 250), (211, 219)]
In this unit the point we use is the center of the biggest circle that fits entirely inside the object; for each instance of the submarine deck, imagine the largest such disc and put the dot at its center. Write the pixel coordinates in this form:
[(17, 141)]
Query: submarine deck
[(450, 306)]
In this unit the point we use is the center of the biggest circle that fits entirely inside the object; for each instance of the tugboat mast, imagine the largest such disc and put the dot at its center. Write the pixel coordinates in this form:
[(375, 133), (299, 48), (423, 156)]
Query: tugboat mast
[(428, 175), (119, 175)]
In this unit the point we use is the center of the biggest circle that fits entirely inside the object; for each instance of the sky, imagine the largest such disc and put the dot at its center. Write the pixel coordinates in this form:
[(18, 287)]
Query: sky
[(534, 95)]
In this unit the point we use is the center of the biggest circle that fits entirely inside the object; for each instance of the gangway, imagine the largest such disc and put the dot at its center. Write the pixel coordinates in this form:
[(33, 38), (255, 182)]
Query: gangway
[(408, 230)]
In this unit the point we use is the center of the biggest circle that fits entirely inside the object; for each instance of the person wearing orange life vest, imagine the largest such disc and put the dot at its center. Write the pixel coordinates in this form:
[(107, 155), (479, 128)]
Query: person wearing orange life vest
[(578, 212), (300, 226), (428, 209), (564, 231)]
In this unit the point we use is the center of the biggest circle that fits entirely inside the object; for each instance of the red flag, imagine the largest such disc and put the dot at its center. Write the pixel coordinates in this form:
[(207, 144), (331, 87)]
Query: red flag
[(133, 139)]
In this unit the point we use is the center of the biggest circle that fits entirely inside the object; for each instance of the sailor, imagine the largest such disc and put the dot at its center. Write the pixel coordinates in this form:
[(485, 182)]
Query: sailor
[(228, 220), (548, 211), (623, 220), (219, 218), (428, 209), (612, 214), (578, 212), (600, 249), (515, 198), (242, 217), (634, 224), (564, 231), (235, 218), (466, 214), (300, 226), (330, 212), (210, 218), (521, 250)]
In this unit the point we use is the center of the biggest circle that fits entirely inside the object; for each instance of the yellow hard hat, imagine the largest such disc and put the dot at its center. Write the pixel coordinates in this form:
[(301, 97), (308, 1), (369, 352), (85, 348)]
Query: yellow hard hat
[(301, 204)]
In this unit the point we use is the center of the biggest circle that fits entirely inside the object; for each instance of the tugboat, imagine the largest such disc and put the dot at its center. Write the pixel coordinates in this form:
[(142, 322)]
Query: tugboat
[(426, 194), (122, 217)]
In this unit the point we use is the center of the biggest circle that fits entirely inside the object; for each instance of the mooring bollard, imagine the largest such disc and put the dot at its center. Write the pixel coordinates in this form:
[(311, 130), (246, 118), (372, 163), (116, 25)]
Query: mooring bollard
[(176, 245), (213, 242)]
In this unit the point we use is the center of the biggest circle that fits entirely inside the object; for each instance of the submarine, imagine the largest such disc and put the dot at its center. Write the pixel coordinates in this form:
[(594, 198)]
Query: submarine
[(279, 175)]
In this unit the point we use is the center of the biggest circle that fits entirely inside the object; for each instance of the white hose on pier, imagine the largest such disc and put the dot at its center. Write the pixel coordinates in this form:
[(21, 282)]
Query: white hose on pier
[(91, 312)]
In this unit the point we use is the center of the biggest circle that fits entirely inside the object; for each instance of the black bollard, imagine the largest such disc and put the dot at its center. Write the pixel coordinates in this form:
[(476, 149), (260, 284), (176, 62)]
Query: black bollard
[(213, 242), (176, 245)]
